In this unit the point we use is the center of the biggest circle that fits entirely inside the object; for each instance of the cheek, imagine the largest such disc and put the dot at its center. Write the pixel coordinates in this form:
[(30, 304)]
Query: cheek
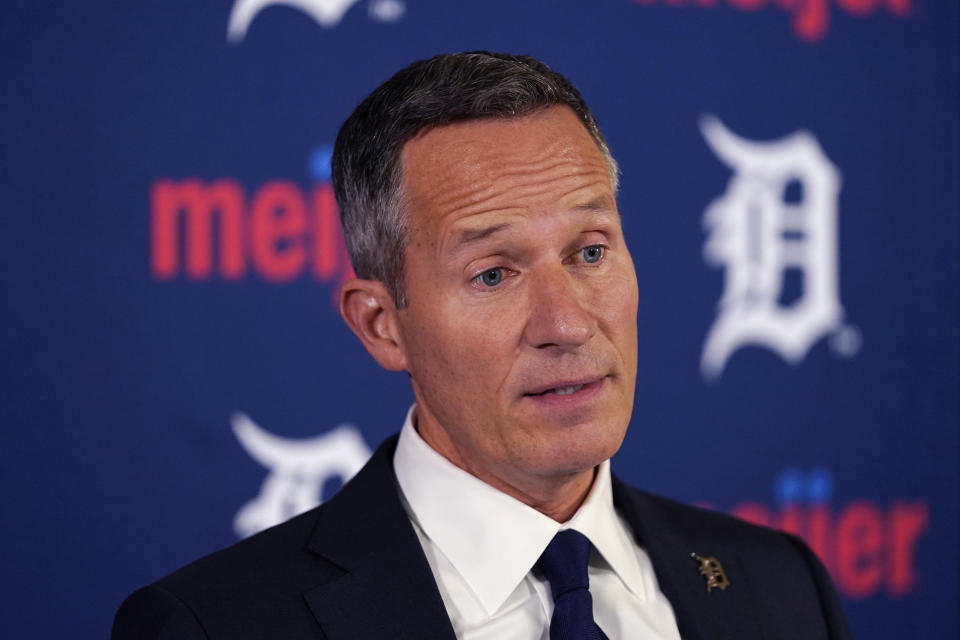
[(486, 339), (617, 303), (457, 343)]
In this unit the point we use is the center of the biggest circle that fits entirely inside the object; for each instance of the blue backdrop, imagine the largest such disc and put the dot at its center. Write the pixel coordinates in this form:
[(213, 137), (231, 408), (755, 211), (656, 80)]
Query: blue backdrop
[(176, 375)]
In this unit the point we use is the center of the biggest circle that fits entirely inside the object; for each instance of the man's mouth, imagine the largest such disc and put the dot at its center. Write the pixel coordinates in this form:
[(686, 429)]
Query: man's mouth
[(561, 391), (564, 388)]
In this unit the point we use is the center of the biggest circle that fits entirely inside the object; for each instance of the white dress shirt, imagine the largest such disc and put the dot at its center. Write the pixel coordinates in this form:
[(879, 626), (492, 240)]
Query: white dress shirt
[(482, 545)]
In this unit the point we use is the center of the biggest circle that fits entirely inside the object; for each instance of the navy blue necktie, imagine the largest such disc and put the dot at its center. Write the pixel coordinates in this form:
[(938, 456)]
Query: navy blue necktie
[(564, 563)]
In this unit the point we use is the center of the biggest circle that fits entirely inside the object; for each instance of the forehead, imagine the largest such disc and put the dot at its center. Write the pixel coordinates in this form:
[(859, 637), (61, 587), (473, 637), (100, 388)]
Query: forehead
[(496, 165)]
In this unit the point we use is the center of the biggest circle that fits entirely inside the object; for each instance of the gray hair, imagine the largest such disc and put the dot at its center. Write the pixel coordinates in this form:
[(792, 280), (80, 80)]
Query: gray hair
[(367, 176)]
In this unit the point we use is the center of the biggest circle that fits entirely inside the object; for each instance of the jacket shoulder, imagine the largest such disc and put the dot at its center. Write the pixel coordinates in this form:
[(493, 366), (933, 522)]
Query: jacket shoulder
[(775, 575), (229, 592), (700, 523), (256, 587), (153, 612), (260, 561)]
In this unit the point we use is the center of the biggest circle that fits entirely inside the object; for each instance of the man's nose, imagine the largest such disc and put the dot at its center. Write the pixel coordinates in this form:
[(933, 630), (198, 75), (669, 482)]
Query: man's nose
[(560, 313)]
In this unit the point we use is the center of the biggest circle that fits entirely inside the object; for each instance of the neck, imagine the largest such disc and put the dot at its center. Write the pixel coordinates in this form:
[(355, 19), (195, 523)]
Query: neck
[(557, 502)]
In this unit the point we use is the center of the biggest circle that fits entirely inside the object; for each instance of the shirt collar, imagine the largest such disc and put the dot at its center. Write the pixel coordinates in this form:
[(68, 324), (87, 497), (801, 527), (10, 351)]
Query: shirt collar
[(492, 539)]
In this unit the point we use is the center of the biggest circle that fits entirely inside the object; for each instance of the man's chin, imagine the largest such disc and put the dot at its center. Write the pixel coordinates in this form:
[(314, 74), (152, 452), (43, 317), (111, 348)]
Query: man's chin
[(570, 455)]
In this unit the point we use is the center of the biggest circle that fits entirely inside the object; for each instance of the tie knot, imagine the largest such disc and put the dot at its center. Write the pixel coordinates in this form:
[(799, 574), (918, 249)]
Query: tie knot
[(564, 562)]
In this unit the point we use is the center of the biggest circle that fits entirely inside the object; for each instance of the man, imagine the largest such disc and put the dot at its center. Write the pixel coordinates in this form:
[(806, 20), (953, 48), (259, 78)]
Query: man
[(478, 204)]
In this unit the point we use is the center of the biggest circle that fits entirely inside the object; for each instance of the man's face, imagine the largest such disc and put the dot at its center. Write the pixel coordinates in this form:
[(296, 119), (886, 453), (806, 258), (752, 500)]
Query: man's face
[(520, 333)]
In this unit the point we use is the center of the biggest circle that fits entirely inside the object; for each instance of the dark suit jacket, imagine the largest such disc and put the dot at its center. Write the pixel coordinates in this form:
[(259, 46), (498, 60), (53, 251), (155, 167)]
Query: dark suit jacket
[(353, 569)]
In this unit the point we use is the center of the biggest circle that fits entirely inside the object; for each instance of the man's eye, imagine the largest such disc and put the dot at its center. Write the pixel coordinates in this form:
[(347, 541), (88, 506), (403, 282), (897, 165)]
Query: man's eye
[(491, 277), (592, 254)]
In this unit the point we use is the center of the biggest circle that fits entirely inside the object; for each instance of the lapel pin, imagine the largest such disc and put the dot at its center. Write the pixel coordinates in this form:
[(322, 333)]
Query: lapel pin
[(712, 570)]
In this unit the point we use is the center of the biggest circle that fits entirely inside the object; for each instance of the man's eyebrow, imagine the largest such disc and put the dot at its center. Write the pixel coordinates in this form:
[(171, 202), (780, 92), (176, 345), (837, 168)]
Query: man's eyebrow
[(600, 203), (473, 235)]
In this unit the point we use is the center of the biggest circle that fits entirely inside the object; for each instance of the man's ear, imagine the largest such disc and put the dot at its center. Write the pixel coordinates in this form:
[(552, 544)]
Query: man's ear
[(368, 309)]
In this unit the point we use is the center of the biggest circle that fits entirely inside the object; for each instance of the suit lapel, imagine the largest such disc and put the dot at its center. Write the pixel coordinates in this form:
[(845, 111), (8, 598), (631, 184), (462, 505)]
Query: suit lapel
[(700, 614), (387, 589)]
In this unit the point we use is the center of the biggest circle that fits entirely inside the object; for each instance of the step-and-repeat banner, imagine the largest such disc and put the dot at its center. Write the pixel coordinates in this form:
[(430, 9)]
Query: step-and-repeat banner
[(176, 375)]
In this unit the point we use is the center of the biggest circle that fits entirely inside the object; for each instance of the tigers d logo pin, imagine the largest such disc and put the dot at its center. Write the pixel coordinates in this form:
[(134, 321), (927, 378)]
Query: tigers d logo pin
[(712, 570)]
